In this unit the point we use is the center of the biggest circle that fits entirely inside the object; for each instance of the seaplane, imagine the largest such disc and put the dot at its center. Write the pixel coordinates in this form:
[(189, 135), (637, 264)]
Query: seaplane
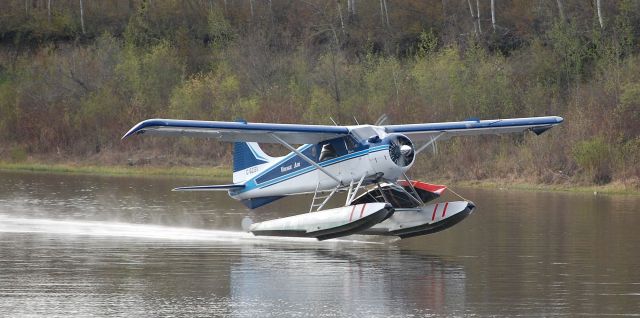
[(368, 163)]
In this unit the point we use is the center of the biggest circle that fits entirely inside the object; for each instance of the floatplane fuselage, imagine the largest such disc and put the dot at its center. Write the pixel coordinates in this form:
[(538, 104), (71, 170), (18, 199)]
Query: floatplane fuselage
[(370, 159), (336, 163)]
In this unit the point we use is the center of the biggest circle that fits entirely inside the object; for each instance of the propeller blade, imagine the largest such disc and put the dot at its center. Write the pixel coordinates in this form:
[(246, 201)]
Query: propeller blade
[(381, 120)]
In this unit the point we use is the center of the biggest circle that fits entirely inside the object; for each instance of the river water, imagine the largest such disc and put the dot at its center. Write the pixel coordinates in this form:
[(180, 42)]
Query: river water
[(129, 247)]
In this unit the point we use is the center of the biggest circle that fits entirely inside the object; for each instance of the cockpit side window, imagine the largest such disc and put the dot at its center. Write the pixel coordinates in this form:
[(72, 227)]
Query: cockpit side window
[(350, 143), (333, 148)]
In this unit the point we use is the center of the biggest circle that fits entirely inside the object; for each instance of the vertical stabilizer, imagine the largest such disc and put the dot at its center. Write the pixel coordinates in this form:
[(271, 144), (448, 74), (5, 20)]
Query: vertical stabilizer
[(248, 161)]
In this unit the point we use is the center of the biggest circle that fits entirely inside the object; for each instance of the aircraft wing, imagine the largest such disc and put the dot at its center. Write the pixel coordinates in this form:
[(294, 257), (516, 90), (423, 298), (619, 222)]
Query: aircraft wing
[(238, 131), (447, 130)]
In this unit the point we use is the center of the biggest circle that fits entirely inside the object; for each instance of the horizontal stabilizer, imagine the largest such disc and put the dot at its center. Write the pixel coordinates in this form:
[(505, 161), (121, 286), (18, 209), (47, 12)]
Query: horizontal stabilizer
[(215, 187)]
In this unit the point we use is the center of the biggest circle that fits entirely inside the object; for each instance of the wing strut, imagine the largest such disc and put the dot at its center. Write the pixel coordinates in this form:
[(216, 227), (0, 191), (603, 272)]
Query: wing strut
[(304, 157)]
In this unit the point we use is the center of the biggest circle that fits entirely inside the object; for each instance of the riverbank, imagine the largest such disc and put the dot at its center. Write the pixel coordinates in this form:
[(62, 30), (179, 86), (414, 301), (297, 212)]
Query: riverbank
[(610, 188), (121, 170), (224, 173)]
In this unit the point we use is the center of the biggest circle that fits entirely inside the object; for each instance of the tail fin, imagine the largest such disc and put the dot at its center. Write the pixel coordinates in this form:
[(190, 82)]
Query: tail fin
[(248, 160)]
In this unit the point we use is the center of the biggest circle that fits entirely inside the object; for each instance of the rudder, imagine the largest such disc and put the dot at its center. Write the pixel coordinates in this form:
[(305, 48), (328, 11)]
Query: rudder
[(248, 159)]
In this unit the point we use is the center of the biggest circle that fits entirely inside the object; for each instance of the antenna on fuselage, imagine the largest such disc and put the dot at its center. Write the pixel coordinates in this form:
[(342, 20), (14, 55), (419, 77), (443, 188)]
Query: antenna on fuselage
[(334, 122), (356, 119)]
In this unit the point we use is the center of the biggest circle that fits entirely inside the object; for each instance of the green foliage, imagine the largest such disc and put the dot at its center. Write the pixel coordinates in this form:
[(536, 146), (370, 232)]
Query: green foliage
[(18, 154), (438, 81), (138, 31), (154, 22), (630, 157), (623, 38), (7, 109), (427, 43), (627, 112), (75, 94), (594, 157), (630, 97), (321, 107), (573, 50), (150, 75), (96, 107), (220, 31), (382, 82), (215, 95), (454, 87)]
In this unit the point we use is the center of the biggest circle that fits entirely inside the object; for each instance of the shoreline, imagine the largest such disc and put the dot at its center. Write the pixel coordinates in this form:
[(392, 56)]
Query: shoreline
[(217, 172), (614, 188), (224, 173)]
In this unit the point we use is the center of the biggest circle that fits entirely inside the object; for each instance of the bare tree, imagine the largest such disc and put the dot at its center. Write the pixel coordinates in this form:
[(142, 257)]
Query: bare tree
[(493, 14), (251, 8), (561, 10), (478, 15), (336, 86), (473, 18), (384, 14), (351, 8), (273, 17), (381, 13), (340, 15), (49, 11), (444, 10), (598, 6), (82, 17)]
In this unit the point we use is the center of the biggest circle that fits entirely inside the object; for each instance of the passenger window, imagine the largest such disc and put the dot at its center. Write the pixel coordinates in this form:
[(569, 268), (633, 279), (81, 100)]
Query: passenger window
[(327, 152)]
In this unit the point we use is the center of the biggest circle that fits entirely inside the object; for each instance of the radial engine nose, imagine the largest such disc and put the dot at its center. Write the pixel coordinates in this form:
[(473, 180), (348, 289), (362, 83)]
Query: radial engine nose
[(406, 150), (401, 150)]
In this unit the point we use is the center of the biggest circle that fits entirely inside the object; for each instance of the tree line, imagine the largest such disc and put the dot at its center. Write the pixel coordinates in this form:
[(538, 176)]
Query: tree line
[(76, 74)]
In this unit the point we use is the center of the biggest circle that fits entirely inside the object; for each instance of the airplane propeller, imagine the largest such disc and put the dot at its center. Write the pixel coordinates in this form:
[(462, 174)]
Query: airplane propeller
[(381, 120), (401, 151)]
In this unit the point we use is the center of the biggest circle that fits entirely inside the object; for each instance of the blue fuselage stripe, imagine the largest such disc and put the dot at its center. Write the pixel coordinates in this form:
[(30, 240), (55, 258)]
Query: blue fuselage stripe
[(251, 184)]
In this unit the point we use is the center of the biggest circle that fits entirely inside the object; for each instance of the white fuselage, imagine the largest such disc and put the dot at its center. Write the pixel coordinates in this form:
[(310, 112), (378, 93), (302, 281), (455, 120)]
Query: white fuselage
[(287, 177)]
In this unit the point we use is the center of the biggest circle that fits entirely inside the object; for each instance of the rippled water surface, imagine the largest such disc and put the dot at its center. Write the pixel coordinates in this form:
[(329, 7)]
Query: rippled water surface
[(129, 247)]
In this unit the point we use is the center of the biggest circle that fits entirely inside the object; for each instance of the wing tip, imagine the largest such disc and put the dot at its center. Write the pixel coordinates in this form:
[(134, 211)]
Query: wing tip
[(139, 127), (129, 133)]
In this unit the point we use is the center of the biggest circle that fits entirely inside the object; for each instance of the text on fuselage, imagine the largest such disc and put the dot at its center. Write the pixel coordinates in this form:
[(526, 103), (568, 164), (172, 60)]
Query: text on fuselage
[(290, 167)]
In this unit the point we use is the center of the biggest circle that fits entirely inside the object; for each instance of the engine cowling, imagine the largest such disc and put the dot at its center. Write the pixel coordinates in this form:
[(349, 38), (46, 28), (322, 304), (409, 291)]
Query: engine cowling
[(396, 159), (401, 150)]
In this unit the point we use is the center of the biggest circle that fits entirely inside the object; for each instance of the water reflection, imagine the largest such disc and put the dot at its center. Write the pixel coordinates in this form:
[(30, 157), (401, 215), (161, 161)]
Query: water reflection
[(385, 282), (56, 275), (91, 246)]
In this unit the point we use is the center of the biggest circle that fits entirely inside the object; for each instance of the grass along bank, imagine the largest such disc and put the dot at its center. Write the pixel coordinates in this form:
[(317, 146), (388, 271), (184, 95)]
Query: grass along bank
[(222, 172), (610, 188), (120, 170)]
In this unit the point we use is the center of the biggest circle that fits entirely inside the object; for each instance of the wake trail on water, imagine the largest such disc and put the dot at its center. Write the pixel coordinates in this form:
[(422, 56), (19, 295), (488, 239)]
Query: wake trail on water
[(10, 224)]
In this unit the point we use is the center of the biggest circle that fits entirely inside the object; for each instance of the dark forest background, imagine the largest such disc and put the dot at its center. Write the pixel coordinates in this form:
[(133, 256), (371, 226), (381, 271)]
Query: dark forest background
[(76, 74)]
